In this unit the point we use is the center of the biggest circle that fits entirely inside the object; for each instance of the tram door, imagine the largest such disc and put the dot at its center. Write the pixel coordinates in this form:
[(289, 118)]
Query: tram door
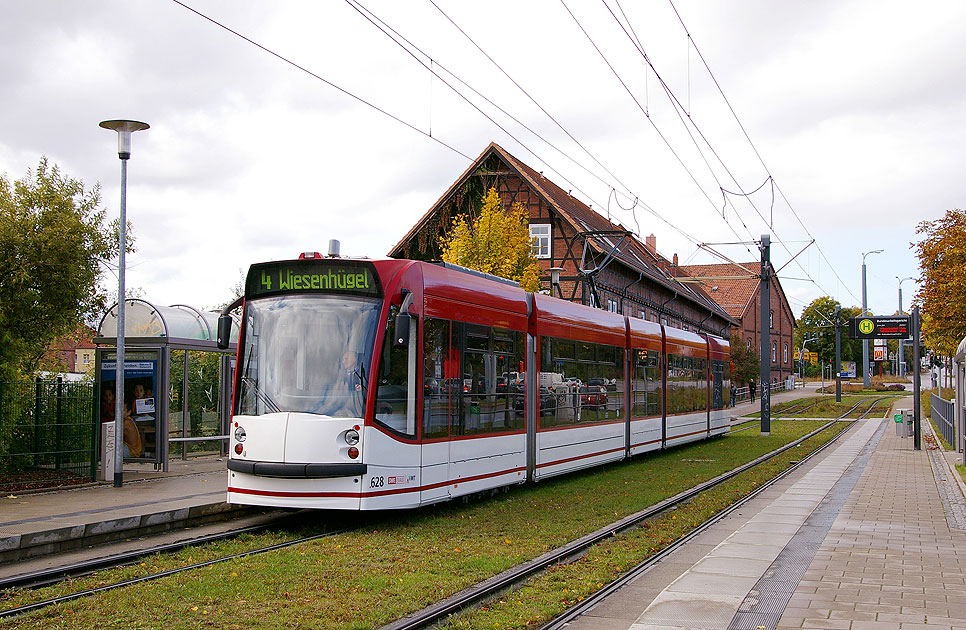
[(442, 393)]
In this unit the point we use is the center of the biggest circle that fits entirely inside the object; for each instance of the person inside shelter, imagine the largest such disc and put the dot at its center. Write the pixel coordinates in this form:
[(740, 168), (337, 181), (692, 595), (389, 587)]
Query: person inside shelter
[(133, 444), (107, 404)]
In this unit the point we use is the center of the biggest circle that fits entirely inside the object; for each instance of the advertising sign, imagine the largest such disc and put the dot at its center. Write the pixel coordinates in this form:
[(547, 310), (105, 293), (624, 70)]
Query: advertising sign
[(879, 350), (140, 417), (848, 369)]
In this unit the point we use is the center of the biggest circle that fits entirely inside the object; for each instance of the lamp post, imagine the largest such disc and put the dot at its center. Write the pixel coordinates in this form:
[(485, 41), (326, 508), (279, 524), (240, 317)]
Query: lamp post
[(801, 359), (865, 342), (902, 344), (124, 129)]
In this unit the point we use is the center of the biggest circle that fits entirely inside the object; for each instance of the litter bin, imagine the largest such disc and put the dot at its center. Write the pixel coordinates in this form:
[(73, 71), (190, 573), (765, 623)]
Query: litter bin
[(900, 418), (910, 426)]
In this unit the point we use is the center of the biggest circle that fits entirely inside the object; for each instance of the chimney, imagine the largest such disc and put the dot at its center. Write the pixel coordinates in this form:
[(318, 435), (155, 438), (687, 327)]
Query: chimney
[(675, 260), (651, 243)]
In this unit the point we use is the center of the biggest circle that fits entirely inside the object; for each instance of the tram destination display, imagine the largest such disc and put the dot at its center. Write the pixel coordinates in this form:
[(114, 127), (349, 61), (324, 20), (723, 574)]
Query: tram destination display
[(879, 327), (312, 276)]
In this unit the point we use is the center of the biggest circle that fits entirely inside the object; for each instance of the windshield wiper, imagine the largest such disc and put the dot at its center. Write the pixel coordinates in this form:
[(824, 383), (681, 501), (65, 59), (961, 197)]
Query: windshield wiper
[(260, 395)]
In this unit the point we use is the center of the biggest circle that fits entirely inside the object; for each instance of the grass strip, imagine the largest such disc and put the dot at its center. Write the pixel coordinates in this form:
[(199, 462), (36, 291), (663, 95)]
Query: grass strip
[(551, 594), (398, 562)]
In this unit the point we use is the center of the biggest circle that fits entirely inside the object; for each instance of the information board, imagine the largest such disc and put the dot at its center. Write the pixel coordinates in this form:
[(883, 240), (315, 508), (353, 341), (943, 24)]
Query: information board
[(879, 328)]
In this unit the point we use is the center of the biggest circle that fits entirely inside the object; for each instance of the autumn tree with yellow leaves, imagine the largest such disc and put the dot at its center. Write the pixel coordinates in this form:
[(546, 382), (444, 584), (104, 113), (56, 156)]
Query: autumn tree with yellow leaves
[(942, 280), (497, 242)]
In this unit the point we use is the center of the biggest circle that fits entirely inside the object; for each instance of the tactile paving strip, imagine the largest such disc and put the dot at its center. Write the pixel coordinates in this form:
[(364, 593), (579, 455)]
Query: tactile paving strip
[(763, 606)]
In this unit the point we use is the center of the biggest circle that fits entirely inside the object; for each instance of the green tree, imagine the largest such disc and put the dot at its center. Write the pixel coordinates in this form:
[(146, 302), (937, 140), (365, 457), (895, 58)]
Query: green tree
[(745, 363), (53, 241), (942, 280), (818, 321), (496, 242)]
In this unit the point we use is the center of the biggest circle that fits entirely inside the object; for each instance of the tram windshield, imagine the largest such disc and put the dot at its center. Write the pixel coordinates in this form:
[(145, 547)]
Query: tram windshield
[(307, 353)]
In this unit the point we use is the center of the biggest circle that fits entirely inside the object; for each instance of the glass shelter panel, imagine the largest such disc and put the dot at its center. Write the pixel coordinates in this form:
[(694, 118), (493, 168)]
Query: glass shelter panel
[(176, 401), (203, 391)]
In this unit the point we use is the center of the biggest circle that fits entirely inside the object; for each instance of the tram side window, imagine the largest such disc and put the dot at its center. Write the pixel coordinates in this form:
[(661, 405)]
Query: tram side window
[(392, 396), (580, 382), (647, 392), (686, 384), (491, 399)]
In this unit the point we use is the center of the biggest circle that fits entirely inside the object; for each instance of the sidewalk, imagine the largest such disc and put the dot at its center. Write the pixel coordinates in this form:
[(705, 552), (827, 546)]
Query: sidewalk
[(149, 502), (871, 536)]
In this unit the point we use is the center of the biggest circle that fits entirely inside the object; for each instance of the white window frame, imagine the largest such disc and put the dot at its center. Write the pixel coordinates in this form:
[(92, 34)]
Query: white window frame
[(612, 306), (785, 354), (540, 236)]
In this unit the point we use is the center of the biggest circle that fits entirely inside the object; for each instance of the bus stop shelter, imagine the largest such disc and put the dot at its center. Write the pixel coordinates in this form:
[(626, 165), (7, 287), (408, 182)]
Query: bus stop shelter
[(177, 382)]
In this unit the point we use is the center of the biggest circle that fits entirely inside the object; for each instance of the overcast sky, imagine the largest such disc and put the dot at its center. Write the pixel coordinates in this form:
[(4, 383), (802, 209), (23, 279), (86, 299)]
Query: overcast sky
[(856, 109)]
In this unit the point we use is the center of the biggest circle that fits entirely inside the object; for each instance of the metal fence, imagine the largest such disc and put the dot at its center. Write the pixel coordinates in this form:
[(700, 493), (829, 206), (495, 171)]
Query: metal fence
[(943, 417), (47, 433)]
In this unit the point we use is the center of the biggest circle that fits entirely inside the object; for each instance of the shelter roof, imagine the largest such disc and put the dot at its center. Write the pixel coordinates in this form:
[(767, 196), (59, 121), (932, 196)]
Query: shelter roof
[(143, 319)]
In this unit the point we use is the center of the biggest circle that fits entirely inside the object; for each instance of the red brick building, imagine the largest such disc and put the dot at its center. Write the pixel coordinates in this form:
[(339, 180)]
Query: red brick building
[(738, 290), (601, 262), (71, 353)]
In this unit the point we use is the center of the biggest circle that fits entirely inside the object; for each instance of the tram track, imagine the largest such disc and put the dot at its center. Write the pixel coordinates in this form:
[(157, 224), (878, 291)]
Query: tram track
[(473, 595), (516, 577), (589, 603), (56, 575)]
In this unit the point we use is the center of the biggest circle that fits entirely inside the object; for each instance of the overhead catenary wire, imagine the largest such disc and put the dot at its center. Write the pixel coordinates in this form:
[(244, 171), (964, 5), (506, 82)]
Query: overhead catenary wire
[(643, 110), (755, 149), (629, 194), (679, 106), (301, 68), (396, 38)]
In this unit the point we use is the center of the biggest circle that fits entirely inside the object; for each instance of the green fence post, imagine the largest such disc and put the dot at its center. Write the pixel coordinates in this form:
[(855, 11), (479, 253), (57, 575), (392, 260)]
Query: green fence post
[(37, 420), (95, 428), (58, 428)]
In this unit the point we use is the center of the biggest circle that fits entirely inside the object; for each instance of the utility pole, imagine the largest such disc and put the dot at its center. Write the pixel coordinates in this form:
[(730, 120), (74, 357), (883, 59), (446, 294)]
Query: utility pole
[(865, 312), (916, 385), (764, 383), (838, 354)]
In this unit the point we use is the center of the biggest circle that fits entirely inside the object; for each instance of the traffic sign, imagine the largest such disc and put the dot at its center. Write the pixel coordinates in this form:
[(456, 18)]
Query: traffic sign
[(879, 327)]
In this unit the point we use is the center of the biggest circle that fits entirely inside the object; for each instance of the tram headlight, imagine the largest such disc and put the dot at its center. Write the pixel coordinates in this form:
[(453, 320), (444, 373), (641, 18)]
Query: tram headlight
[(351, 437), (240, 434)]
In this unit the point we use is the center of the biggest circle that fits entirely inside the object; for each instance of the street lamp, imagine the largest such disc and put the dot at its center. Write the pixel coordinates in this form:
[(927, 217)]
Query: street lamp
[(124, 129), (902, 344), (801, 357), (865, 342)]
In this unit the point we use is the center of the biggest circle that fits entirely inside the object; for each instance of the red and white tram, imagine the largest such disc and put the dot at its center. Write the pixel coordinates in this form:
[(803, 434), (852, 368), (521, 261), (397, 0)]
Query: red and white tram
[(394, 383)]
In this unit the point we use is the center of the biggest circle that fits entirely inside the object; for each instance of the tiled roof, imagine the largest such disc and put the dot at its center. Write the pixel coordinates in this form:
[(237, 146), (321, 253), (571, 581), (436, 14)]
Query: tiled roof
[(731, 286), (630, 251)]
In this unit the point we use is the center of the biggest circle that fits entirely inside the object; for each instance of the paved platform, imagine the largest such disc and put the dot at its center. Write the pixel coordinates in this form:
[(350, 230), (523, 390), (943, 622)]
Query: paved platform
[(870, 536), (35, 524)]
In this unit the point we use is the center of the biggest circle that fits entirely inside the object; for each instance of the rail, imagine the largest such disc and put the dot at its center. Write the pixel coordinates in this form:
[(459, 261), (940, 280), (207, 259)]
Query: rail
[(943, 417)]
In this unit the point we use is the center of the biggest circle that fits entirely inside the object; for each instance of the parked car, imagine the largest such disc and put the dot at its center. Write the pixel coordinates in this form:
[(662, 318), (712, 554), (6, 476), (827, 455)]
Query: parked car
[(595, 395)]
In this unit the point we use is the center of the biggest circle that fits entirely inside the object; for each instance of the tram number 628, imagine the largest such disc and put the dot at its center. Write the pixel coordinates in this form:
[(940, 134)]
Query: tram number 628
[(377, 482)]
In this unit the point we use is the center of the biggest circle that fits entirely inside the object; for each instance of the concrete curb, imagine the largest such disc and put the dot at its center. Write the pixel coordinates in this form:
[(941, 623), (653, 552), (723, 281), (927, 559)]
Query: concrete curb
[(14, 547)]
